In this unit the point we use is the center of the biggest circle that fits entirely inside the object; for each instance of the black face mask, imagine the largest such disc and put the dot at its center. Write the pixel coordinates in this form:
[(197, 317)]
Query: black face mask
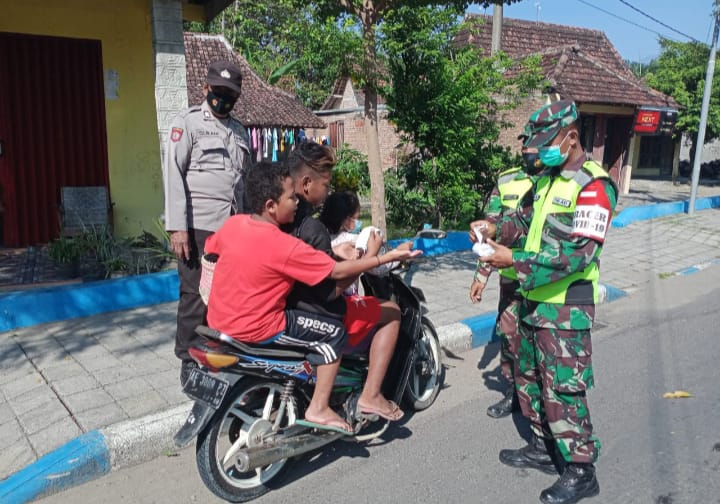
[(532, 162), (220, 104)]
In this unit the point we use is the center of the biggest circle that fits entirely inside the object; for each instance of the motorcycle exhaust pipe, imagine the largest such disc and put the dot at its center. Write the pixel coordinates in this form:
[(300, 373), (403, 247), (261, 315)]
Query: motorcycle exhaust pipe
[(261, 456)]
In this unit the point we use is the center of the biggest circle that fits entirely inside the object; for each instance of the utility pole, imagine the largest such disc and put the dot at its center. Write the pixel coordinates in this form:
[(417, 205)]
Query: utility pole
[(700, 141), (496, 27)]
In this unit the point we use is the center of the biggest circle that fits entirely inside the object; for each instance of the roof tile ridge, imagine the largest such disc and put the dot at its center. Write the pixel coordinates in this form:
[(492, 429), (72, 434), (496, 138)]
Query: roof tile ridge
[(617, 56), (551, 50), (562, 62), (612, 72), (563, 27)]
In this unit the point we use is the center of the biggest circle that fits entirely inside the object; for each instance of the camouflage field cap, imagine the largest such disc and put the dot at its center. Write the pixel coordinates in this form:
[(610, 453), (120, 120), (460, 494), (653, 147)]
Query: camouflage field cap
[(545, 123)]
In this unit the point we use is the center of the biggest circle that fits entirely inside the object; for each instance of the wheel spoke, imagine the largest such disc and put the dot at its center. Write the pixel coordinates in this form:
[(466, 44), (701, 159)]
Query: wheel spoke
[(416, 383), (239, 443), (245, 417)]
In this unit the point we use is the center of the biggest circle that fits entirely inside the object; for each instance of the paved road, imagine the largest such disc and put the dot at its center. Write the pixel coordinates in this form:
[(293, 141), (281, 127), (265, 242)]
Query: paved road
[(661, 338)]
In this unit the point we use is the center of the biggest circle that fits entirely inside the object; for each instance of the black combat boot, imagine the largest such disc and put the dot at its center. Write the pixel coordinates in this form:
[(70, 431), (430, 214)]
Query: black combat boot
[(504, 406), (534, 456), (577, 482)]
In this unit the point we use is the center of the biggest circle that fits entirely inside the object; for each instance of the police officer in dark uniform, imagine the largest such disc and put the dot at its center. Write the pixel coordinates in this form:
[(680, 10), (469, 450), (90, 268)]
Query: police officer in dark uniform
[(207, 154)]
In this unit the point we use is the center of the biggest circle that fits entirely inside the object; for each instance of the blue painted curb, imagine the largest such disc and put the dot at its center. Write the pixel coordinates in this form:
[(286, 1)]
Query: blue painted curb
[(482, 327), (646, 212), (613, 293), (699, 267), (455, 241), (84, 458), (36, 306)]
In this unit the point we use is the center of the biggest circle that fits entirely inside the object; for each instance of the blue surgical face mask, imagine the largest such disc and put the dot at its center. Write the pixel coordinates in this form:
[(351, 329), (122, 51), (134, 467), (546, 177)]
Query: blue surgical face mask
[(358, 226), (552, 156)]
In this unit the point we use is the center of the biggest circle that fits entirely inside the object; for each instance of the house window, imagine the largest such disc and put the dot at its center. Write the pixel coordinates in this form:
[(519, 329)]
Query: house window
[(657, 152)]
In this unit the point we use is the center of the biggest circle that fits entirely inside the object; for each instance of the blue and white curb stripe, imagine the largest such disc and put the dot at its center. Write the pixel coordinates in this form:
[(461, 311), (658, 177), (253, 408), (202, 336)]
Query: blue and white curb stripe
[(696, 268), (94, 454), (477, 331), (84, 458)]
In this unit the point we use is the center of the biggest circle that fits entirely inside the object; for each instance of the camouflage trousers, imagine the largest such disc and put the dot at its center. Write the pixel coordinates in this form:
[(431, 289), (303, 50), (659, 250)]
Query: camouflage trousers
[(506, 327), (553, 372)]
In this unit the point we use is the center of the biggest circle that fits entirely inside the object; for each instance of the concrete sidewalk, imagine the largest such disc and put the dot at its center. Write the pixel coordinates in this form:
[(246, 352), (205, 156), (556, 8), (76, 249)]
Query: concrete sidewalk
[(104, 389)]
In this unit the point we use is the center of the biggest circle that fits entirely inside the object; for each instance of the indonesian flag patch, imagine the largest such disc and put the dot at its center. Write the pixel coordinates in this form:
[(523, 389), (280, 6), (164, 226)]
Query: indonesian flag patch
[(176, 134), (592, 212)]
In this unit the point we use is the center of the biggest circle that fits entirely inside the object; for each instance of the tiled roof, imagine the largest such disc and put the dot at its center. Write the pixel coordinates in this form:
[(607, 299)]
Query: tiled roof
[(580, 63), (260, 104), (334, 101)]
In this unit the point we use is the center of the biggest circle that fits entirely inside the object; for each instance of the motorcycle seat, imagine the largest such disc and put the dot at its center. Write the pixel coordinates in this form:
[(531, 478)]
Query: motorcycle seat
[(271, 350)]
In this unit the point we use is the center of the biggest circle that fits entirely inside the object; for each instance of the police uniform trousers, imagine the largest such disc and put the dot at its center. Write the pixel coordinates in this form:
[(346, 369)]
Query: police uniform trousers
[(191, 310)]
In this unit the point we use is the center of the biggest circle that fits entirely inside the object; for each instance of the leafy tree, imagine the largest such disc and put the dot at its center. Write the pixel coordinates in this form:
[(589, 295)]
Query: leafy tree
[(448, 101), (680, 73), (289, 44), (369, 15), (641, 69)]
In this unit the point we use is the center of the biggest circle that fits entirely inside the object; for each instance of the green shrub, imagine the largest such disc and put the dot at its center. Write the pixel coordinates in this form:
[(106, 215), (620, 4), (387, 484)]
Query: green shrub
[(351, 171)]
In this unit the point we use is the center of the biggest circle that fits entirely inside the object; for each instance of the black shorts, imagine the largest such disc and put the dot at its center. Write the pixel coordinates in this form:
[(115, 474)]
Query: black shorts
[(323, 336)]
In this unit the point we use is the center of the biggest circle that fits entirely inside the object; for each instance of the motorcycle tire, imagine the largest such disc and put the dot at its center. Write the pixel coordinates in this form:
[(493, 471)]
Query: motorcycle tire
[(426, 371), (249, 412)]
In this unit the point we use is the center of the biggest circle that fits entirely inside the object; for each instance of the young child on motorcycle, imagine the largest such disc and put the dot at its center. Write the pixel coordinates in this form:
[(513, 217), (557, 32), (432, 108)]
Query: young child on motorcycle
[(369, 321), (341, 216), (257, 267)]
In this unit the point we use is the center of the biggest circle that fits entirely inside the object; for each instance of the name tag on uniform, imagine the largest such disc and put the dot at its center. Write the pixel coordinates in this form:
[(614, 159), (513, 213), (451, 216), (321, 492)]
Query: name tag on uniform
[(562, 202), (510, 197)]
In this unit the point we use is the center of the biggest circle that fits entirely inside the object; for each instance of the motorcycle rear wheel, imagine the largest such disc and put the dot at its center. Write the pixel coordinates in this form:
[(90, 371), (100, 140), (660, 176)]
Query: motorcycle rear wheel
[(243, 420), (426, 370)]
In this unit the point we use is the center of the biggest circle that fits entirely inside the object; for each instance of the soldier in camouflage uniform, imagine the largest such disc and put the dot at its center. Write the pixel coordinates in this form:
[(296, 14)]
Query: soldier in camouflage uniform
[(502, 223), (558, 271)]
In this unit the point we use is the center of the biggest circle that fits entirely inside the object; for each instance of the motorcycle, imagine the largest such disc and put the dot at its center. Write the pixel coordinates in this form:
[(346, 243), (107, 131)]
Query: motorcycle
[(249, 398)]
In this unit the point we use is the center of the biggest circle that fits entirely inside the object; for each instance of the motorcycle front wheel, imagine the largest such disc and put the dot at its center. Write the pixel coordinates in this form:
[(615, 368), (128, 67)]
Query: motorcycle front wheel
[(426, 370), (245, 420)]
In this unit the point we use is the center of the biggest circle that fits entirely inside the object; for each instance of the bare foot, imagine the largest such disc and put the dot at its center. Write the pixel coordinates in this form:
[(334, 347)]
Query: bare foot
[(327, 417), (380, 406)]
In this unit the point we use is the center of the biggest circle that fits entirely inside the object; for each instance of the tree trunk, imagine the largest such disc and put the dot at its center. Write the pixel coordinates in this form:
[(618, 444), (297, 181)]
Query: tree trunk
[(377, 181)]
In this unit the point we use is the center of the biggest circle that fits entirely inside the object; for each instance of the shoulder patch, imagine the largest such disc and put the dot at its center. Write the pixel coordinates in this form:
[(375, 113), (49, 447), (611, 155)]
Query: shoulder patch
[(176, 134)]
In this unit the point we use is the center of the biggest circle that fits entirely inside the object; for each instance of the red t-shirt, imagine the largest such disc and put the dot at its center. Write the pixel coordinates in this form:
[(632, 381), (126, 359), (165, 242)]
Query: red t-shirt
[(257, 266)]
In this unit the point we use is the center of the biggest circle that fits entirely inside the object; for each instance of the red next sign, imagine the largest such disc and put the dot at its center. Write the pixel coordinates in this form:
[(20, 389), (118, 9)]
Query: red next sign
[(655, 121)]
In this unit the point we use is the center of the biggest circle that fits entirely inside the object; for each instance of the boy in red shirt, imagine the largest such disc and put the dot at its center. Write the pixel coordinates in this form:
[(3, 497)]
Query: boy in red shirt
[(256, 268)]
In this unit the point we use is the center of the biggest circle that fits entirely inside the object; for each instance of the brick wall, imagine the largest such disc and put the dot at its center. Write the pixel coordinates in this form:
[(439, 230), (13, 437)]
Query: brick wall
[(354, 129), (518, 117)]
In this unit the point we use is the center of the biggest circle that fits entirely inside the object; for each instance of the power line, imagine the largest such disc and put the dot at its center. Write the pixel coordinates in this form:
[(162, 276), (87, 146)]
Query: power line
[(659, 22), (626, 20)]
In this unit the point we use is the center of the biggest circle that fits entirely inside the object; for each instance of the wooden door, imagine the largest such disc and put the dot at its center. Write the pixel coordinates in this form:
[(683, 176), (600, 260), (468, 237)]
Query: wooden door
[(52, 129)]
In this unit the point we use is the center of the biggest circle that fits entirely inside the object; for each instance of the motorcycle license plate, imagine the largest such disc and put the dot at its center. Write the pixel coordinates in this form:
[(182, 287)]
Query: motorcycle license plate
[(206, 388)]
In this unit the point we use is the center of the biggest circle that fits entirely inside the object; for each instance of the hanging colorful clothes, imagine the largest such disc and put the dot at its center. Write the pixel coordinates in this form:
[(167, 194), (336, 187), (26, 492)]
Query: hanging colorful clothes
[(274, 145)]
